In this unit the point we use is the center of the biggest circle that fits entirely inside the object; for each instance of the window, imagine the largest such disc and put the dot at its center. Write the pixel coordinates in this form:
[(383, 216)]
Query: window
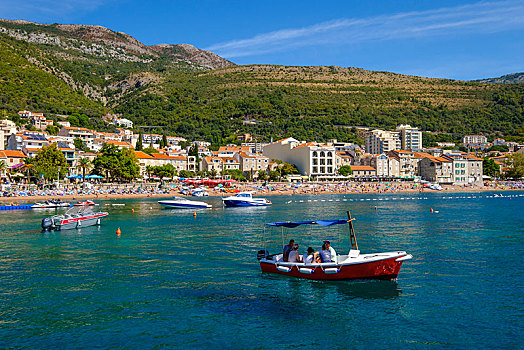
[(315, 154), (315, 169)]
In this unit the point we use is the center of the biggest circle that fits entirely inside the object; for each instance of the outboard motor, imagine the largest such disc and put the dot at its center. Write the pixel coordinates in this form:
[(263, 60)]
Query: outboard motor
[(47, 224), (262, 254)]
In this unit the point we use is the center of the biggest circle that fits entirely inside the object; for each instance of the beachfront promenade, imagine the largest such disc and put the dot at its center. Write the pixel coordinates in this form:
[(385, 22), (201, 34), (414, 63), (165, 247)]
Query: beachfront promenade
[(109, 190)]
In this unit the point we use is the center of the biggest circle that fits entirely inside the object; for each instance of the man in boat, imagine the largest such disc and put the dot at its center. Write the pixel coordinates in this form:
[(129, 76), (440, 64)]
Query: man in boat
[(287, 249), (331, 250)]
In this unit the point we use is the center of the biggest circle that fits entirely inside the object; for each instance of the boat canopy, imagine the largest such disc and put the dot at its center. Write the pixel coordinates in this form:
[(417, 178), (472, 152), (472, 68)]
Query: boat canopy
[(292, 224)]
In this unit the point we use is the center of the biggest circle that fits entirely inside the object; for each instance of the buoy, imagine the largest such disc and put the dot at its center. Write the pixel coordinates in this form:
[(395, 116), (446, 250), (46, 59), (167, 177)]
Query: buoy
[(194, 214), (132, 210), (118, 232), (432, 210)]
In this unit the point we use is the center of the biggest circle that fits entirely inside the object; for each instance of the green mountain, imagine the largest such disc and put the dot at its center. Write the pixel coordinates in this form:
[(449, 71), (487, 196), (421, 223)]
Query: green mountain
[(194, 93)]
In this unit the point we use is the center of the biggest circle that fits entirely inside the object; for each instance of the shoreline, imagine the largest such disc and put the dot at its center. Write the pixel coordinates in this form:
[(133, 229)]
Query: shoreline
[(324, 189)]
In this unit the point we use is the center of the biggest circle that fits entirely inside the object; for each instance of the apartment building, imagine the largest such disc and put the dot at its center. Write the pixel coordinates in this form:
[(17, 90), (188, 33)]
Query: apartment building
[(410, 138), (380, 141)]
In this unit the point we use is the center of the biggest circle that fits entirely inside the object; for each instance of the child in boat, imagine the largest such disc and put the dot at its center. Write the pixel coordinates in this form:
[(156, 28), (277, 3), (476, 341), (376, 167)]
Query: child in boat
[(308, 257)]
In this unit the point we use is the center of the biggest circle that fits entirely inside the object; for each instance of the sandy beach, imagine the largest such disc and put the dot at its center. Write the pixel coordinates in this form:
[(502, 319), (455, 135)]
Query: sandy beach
[(108, 191)]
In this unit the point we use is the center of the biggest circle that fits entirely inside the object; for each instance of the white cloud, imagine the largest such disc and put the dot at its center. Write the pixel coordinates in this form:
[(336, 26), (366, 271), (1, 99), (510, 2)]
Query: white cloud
[(482, 17)]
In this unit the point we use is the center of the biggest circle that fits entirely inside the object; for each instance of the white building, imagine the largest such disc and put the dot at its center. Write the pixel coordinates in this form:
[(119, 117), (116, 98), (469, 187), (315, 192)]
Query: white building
[(311, 159), (475, 139), (380, 141), (126, 123), (410, 138)]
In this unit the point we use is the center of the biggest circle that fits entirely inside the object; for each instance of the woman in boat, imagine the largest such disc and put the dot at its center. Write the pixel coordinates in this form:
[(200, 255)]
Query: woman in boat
[(294, 256)]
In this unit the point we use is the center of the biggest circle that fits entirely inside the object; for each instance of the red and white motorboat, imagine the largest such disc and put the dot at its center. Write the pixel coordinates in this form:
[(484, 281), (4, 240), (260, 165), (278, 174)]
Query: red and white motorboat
[(84, 203), (354, 265), (74, 218)]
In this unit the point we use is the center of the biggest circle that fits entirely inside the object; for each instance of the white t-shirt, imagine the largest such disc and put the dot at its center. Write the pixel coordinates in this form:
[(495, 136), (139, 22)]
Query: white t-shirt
[(308, 259), (333, 254), (293, 256)]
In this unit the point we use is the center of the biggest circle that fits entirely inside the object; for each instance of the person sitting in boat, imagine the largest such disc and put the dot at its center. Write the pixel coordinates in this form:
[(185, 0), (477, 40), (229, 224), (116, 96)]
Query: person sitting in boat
[(308, 257), (325, 254), (294, 256), (287, 249), (331, 250)]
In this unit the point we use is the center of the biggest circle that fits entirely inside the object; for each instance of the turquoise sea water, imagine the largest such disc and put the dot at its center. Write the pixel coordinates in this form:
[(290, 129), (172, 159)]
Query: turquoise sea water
[(173, 280)]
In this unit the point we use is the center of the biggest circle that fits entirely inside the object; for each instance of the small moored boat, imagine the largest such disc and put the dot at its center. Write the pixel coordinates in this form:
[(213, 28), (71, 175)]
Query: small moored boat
[(244, 199), (84, 203), (51, 203), (179, 202), (74, 218), (344, 267)]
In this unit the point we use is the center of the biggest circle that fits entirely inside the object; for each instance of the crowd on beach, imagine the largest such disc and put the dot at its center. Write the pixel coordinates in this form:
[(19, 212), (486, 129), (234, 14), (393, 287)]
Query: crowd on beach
[(157, 189)]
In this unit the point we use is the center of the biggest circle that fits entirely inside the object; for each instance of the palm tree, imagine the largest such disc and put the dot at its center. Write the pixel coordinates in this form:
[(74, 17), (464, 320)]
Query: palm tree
[(3, 167), (84, 163)]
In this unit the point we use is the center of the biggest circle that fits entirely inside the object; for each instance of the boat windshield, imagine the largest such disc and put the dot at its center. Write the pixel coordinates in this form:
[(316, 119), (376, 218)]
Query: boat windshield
[(244, 195)]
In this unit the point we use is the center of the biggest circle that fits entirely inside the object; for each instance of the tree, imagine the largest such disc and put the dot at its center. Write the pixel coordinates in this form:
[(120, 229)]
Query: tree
[(4, 168), (50, 162), (213, 173), (516, 166), (80, 145), (498, 148), (163, 143), (193, 151), (274, 175), (288, 168), (184, 174), (490, 168), (262, 175), (52, 129), (139, 145), (236, 174), (345, 170), (84, 164), (120, 164), (149, 150)]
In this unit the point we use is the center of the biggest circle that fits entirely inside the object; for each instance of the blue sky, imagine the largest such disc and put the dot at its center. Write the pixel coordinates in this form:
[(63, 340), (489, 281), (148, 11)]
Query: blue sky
[(447, 39)]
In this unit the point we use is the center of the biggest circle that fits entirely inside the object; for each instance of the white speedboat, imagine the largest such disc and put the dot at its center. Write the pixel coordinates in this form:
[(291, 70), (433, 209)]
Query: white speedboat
[(244, 199), (75, 217), (50, 203), (179, 202)]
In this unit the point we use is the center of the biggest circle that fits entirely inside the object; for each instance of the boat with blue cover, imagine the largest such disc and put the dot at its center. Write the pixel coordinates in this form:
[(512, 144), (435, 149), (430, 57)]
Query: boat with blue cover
[(244, 199), (352, 265)]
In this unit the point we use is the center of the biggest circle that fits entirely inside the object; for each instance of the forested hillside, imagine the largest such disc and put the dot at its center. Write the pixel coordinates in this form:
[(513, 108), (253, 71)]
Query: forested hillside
[(193, 93)]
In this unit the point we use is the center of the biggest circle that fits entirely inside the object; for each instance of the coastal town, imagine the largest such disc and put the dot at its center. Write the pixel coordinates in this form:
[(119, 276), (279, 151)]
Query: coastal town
[(386, 156)]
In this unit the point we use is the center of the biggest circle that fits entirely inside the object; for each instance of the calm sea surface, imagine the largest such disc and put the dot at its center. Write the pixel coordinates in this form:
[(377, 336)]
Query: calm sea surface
[(173, 280)]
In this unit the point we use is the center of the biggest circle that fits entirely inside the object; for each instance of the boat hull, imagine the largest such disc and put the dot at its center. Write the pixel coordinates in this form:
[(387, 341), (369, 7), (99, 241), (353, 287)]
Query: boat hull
[(74, 223), (240, 203), (169, 204), (386, 269)]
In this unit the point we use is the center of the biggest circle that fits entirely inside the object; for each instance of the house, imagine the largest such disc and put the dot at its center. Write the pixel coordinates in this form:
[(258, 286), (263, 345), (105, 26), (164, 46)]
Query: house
[(87, 136), (410, 137), (119, 144), (466, 168), (363, 170), (436, 169), (12, 158), (407, 163), (252, 163), (474, 140), (126, 123), (27, 140)]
